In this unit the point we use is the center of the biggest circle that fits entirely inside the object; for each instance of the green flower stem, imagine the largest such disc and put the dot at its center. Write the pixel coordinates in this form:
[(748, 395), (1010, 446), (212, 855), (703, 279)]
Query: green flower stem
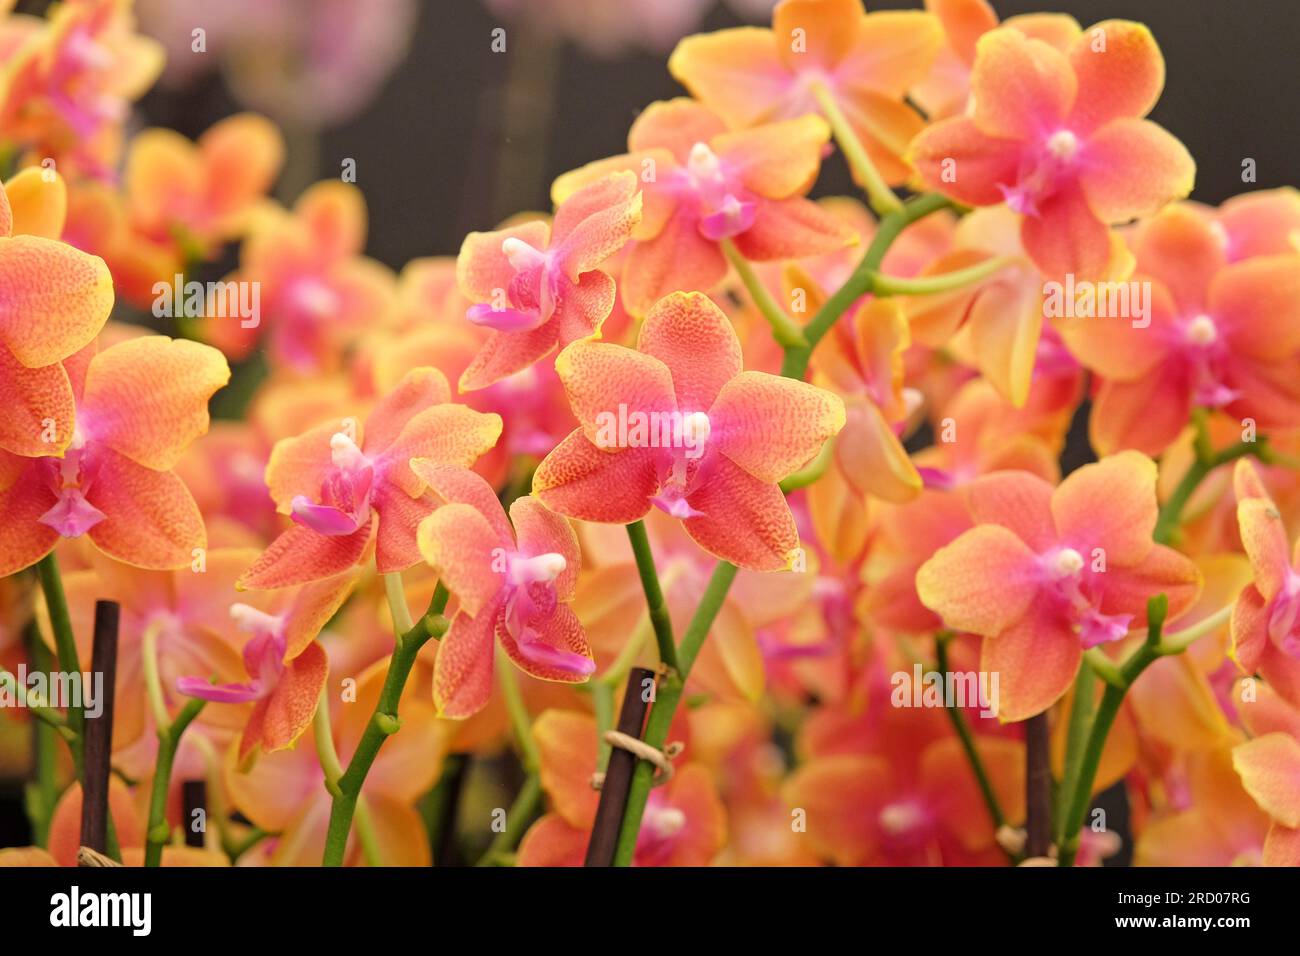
[(383, 723), (784, 329), (654, 595), (602, 700), (397, 605), (968, 745), (65, 646), (517, 711), (944, 282), (668, 696), (1207, 460), (1081, 715), (879, 195), (859, 283), (518, 817), (169, 740), (43, 792), (1076, 802)]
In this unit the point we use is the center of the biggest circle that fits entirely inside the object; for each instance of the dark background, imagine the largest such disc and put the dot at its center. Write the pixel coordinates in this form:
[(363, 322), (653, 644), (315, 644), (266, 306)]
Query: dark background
[(429, 147)]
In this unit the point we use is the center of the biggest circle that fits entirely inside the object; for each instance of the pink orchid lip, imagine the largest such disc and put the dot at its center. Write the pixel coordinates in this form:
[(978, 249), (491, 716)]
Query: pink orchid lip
[(937, 478), (322, 519), (505, 320), (538, 652), (73, 515), (220, 693), (731, 219)]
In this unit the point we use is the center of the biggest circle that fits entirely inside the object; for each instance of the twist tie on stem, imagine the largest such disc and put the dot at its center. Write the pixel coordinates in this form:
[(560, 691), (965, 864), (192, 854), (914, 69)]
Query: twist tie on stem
[(662, 759), (88, 857)]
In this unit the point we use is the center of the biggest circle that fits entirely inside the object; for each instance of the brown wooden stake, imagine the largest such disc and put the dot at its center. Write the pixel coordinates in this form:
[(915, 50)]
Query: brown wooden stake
[(1038, 788), (194, 796), (98, 744), (618, 775)]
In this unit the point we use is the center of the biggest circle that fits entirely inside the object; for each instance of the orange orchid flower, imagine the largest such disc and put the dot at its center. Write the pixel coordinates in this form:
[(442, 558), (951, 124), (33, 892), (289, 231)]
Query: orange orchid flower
[(684, 823), (703, 186), (139, 404), (677, 424), (317, 292), (536, 286), (1220, 334), (1046, 573), (864, 62), (340, 482), (66, 88), (1060, 138), (286, 666), (1269, 767), (513, 585), (53, 302), (195, 196), (945, 91)]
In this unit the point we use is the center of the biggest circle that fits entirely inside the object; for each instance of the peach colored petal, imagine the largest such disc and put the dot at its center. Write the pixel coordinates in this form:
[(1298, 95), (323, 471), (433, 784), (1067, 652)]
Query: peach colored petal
[(873, 458), (1263, 535), (334, 213), (742, 519), (953, 793), (147, 398), (1067, 236), (730, 664), (1122, 79), (842, 797), (1036, 661), (462, 676), (450, 434), (1016, 500), (1257, 304), (886, 126), (24, 497), (463, 548), (483, 271), (1005, 322), (1270, 771), (505, 353), (1282, 846), (566, 741), (582, 481), (827, 27), (397, 516), (1109, 504), (1146, 414), (1134, 167), (738, 72), (675, 125), (1126, 590), (455, 484), (772, 426), (282, 717), (776, 160), (553, 841), (598, 377), (691, 335), (1114, 348), (420, 388), (53, 299), (313, 607), (298, 465), (792, 229), (150, 518), (983, 582), (679, 258), (955, 157), (963, 22), (38, 200), (595, 222), (242, 155), (1180, 248), (1020, 88), (35, 400), (300, 555), (892, 51)]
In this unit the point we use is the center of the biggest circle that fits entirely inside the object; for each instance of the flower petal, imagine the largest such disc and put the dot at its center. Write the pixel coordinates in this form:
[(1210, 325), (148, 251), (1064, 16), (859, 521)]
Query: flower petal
[(955, 157), (147, 398), (300, 555), (737, 72), (1270, 771), (742, 519), (1120, 71), (463, 548), (1109, 504), (31, 398), (792, 229), (599, 377), (1021, 88), (556, 651), (288, 711), (54, 299), (150, 518), (1133, 168), (420, 388), (462, 675), (772, 426), (542, 531), (582, 481), (776, 160), (1035, 660), (983, 582), (450, 434), (39, 203)]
